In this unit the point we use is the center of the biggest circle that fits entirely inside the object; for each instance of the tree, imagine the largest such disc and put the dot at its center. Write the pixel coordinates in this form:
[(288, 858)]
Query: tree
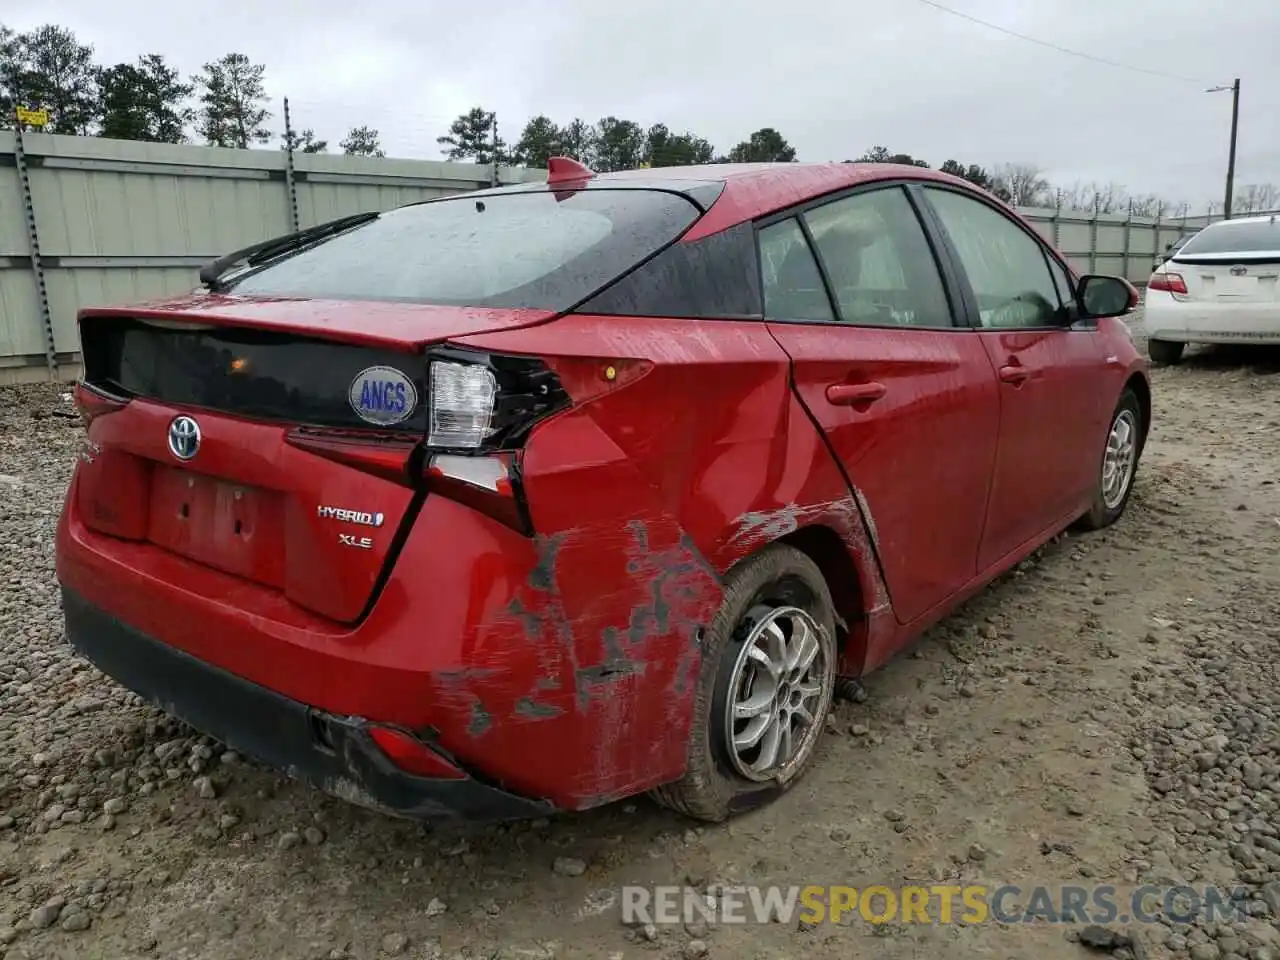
[(232, 97), (1258, 198), (539, 142), (48, 67), (1150, 205), (664, 149), (874, 155), (1020, 184), (1102, 198), (304, 142), (144, 102), (766, 145), (472, 137), (882, 155), (362, 142), (9, 80), (975, 174), (619, 145), (578, 140)]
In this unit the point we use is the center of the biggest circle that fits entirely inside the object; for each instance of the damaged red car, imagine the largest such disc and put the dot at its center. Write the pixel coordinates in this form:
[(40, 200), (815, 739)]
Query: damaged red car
[(543, 496)]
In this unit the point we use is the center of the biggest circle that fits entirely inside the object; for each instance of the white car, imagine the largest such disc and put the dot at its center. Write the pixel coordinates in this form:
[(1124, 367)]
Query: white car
[(1223, 286)]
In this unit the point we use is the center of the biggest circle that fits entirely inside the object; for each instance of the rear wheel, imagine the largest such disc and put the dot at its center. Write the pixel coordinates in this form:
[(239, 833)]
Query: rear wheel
[(768, 674), (1165, 351), (1119, 464)]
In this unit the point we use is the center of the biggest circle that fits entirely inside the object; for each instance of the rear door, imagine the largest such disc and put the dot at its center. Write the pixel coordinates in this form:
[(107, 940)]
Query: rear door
[(907, 399), (1053, 401)]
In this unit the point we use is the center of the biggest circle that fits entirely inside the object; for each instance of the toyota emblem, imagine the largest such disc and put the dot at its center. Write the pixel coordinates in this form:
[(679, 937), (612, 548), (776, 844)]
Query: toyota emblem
[(1239, 270), (184, 437)]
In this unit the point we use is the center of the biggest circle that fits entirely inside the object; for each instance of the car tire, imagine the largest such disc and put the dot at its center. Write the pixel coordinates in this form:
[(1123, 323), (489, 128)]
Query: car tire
[(782, 587), (1120, 452), (1165, 351)]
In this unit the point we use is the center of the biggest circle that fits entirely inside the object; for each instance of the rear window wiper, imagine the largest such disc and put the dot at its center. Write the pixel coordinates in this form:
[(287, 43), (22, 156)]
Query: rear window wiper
[(259, 253)]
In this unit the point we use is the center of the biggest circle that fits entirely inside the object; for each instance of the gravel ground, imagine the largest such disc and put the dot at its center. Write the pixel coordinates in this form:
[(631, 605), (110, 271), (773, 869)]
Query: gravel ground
[(1107, 713)]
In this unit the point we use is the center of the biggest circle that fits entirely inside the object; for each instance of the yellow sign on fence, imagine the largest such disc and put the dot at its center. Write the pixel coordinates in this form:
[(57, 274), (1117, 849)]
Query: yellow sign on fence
[(36, 118)]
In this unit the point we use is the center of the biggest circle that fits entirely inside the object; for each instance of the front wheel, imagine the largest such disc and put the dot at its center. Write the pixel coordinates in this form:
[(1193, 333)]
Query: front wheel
[(1119, 464), (765, 690), (1165, 351)]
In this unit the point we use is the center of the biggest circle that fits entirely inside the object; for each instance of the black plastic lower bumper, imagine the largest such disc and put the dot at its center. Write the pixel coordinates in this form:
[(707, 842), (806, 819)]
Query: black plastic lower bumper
[(335, 753)]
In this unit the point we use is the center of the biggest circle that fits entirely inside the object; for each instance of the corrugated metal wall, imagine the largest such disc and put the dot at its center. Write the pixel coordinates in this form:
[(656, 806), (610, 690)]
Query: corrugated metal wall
[(1110, 243), (120, 221)]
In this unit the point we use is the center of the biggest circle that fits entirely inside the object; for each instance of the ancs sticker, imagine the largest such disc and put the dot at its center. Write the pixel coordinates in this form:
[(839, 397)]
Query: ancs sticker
[(383, 395)]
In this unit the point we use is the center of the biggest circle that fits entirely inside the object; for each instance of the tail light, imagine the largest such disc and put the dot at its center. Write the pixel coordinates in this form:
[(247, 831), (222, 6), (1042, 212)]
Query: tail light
[(486, 402), (382, 455), (92, 403), (481, 407), (1169, 282)]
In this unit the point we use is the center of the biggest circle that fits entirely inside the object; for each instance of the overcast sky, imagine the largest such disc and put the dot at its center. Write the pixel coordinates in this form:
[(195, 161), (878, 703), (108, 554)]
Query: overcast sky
[(834, 77)]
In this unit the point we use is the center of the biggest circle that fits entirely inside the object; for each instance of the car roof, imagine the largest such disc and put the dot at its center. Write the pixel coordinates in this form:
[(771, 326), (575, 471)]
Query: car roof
[(754, 190), (745, 191), (1261, 218)]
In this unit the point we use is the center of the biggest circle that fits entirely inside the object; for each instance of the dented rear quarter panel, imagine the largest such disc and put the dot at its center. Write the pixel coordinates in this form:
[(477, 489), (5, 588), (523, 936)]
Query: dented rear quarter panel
[(643, 500)]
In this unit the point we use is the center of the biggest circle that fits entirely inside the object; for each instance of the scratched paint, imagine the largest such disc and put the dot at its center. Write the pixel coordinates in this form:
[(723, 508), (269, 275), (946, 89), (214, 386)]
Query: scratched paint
[(530, 709), (480, 719), (759, 527), (542, 576), (875, 627)]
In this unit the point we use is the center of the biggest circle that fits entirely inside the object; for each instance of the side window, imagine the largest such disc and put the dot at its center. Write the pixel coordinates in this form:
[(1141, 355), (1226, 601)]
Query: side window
[(1006, 267), (1062, 280), (792, 283), (882, 269)]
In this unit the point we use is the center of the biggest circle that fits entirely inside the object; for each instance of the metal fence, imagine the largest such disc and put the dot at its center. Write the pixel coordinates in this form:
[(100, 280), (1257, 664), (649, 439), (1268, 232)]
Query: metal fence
[(1116, 243), (85, 220)]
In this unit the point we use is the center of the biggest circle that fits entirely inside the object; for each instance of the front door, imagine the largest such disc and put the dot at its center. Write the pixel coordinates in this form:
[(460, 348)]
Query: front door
[(1053, 408), (907, 399)]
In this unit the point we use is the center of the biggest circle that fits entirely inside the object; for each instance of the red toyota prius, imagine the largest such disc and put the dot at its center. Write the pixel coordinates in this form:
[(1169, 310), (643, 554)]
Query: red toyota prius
[(538, 497)]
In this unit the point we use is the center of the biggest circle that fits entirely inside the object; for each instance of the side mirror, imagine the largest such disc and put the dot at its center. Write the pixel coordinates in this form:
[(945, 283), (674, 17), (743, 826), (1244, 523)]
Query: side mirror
[(1103, 296)]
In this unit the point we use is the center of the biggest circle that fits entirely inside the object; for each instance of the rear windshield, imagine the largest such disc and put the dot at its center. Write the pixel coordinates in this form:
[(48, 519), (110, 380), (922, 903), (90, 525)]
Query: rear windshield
[(1259, 236), (539, 249)]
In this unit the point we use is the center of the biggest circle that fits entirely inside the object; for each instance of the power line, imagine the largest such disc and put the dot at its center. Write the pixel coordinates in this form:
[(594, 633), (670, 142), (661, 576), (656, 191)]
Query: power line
[(1053, 46)]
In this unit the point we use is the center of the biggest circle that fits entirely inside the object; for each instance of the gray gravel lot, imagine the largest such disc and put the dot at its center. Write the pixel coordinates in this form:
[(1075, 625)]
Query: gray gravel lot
[(1108, 713)]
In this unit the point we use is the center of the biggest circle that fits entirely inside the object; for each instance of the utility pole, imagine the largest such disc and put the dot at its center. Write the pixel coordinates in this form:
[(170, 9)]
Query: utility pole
[(289, 178), (494, 181), (1231, 154)]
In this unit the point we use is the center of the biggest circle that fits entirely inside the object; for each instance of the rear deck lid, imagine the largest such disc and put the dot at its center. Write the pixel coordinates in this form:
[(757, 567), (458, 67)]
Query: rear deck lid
[(272, 430), (1235, 261)]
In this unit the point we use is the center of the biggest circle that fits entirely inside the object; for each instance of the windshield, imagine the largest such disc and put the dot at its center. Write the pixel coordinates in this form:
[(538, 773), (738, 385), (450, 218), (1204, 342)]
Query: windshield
[(1240, 236), (538, 249)]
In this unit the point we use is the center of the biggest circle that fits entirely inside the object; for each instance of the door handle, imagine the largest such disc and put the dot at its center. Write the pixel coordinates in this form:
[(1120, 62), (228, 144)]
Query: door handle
[(1014, 374), (849, 394)]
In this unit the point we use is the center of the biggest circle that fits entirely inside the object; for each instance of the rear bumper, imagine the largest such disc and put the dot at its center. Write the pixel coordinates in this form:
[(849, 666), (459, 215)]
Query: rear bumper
[(1165, 318), (561, 666), (336, 753)]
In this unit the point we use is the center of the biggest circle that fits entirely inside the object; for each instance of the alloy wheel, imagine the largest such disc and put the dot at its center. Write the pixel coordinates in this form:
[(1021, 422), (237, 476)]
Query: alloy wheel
[(1119, 459), (776, 692)]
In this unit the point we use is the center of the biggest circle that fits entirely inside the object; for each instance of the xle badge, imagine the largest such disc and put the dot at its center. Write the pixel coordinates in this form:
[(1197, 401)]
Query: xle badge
[(351, 540), (382, 396)]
